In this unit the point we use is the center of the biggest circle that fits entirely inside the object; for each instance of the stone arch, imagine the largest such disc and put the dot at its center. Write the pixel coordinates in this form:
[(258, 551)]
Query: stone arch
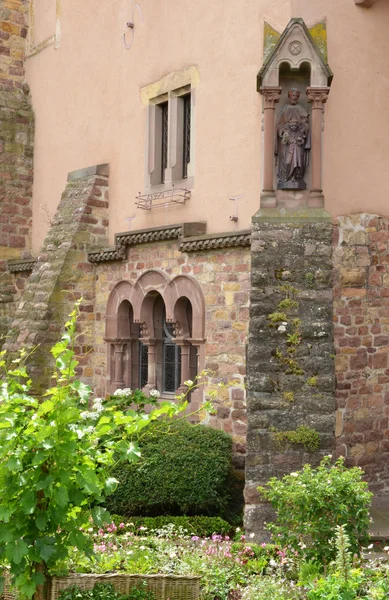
[(184, 286), (122, 291), (150, 282)]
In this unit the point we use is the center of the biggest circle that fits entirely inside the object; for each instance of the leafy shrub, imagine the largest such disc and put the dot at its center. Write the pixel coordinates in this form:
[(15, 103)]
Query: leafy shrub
[(201, 526), (185, 470), (312, 502), (56, 458), (106, 591)]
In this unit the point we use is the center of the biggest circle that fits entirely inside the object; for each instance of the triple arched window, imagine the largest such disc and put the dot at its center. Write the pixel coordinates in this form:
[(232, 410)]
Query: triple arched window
[(155, 333)]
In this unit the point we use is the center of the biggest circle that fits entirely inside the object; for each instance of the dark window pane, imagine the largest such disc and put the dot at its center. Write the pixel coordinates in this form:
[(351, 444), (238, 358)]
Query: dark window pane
[(143, 364), (186, 135), (164, 139)]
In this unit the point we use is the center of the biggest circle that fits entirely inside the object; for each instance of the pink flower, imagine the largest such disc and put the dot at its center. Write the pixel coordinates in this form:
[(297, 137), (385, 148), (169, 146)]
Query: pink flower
[(242, 538), (121, 526), (263, 545)]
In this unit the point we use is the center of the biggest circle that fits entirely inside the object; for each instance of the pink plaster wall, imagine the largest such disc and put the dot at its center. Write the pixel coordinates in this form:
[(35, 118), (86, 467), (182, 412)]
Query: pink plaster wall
[(86, 97)]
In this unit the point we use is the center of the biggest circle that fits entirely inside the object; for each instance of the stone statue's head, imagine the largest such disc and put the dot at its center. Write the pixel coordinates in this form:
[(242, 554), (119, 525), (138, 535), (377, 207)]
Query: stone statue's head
[(293, 96)]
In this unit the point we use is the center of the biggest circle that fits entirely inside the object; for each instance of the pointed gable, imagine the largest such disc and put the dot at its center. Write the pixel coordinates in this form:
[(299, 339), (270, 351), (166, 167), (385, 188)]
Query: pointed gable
[(295, 47)]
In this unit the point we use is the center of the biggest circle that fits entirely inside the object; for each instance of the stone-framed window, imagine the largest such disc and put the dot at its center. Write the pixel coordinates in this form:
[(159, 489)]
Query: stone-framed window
[(155, 334), (45, 25), (170, 132)]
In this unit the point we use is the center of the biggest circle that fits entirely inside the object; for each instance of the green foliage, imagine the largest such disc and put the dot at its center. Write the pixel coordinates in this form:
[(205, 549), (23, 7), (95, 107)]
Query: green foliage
[(185, 469), (270, 588), (334, 587), (309, 279), (276, 317), (310, 504), (106, 591), (312, 381), (287, 304), (56, 461), (302, 436), (196, 525), (288, 396), (291, 366)]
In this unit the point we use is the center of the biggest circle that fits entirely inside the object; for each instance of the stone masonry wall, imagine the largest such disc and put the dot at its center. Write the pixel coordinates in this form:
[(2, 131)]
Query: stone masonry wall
[(16, 154), (224, 276), (292, 249), (63, 274), (16, 178), (361, 318), (13, 43)]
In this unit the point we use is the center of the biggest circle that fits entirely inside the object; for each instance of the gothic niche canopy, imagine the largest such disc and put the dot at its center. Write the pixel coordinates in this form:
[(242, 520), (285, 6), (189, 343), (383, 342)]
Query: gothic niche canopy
[(295, 82)]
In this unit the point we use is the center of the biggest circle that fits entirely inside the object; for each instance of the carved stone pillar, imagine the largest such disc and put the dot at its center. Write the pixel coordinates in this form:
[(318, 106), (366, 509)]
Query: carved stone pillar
[(271, 95), (318, 96), (152, 364), (196, 396), (118, 381), (185, 370)]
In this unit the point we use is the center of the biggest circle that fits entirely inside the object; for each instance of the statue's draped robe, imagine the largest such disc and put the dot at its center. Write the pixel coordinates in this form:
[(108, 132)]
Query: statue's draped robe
[(292, 158)]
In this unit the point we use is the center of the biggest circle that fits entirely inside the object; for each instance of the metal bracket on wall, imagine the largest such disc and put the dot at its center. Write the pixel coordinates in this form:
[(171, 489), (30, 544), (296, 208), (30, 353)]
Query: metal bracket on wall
[(131, 25), (162, 199)]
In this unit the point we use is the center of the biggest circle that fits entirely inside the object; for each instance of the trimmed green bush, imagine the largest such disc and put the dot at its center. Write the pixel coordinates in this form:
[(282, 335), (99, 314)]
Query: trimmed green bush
[(183, 470), (197, 525)]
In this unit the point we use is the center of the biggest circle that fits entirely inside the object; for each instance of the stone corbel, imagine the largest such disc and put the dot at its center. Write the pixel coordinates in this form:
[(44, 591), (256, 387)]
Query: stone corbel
[(271, 95), (318, 97)]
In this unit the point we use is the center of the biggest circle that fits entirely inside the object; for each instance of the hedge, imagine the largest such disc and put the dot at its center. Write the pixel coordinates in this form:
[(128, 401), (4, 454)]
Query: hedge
[(184, 469), (197, 525)]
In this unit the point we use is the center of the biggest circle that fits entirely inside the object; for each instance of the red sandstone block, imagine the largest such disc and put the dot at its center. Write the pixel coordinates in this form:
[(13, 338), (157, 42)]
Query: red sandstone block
[(346, 320), (17, 241), (381, 340), (379, 236), (241, 268), (351, 342), (359, 361), (380, 360)]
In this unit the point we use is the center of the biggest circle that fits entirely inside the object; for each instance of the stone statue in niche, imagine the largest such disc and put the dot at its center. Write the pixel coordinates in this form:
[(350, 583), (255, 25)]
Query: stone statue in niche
[(293, 143)]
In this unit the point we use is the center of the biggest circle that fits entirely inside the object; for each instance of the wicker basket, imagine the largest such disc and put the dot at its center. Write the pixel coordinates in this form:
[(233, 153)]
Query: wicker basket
[(164, 587)]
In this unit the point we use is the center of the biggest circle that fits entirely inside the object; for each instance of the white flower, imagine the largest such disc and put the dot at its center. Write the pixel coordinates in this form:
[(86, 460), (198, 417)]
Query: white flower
[(370, 547), (154, 394), (281, 329), (188, 382), (90, 429), (85, 415), (294, 474), (98, 404), (284, 323), (252, 535)]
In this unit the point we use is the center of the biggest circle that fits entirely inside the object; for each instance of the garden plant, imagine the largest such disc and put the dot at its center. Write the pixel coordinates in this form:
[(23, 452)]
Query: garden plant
[(56, 460)]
